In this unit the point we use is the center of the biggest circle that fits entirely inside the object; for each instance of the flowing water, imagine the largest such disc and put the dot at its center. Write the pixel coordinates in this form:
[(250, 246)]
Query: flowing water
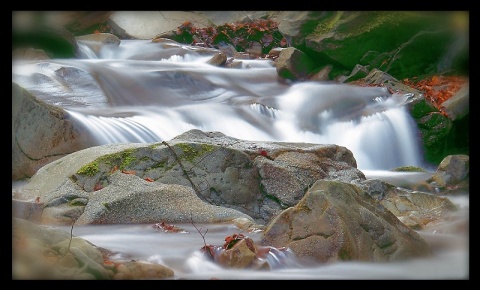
[(142, 92), (181, 252)]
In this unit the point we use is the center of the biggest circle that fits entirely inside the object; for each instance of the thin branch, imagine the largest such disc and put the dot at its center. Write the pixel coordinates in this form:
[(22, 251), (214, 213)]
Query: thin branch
[(206, 247), (198, 230), (183, 169), (247, 16), (164, 16), (70, 242)]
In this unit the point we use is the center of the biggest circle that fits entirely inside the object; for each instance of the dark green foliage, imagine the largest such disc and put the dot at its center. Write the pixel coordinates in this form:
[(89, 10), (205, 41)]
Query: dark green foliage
[(57, 43), (435, 129)]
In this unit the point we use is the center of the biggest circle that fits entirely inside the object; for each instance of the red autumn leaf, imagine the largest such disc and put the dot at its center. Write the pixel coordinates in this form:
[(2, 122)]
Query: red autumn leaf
[(149, 179), (98, 186), (167, 228), (128, 171), (438, 89), (209, 250), (230, 241)]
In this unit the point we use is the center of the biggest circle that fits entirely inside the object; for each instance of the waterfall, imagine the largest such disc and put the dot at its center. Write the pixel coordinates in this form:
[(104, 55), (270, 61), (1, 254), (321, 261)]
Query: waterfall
[(144, 92)]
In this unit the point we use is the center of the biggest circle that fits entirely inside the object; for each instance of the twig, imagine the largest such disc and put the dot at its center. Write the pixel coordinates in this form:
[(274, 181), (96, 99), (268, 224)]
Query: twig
[(198, 230), (164, 16), (206, 247), (183, 169), (70, 242), (247, 16)]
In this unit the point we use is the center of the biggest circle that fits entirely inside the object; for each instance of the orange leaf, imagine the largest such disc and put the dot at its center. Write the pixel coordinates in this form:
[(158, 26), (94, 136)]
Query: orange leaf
[(128, 171)]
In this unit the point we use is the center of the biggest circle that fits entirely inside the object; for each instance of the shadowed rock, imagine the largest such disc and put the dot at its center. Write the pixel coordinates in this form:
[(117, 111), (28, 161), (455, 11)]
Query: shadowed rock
[(42, 252), (41, 133)]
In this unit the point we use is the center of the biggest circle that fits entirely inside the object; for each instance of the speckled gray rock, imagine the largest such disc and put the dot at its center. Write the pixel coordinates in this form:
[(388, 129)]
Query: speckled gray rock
[(204, 176), (335, 221), (452, 170), (41, 133), (415, 209)]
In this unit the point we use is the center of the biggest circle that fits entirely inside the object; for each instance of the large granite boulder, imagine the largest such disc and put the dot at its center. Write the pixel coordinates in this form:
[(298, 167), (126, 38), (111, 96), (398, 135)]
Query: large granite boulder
[(204, 176), (335, 221)]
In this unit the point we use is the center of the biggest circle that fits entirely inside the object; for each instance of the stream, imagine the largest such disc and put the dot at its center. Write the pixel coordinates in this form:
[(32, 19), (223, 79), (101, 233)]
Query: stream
[(142, 92)]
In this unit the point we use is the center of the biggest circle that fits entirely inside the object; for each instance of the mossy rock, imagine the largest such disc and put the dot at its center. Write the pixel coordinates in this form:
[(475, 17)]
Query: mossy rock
[(419, 107), (402, 43), (434, 129), (409, 169)]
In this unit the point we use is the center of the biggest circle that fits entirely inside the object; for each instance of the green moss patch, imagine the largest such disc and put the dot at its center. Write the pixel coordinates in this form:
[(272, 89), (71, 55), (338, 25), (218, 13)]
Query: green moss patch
[(89, 169), (122, 160), (409, 169), (192, 151)]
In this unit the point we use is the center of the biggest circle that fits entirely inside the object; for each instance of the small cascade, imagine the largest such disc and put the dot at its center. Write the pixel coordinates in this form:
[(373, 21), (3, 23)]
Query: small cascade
[(110, 130), (281, 259), (274, 260), (84, 51)]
